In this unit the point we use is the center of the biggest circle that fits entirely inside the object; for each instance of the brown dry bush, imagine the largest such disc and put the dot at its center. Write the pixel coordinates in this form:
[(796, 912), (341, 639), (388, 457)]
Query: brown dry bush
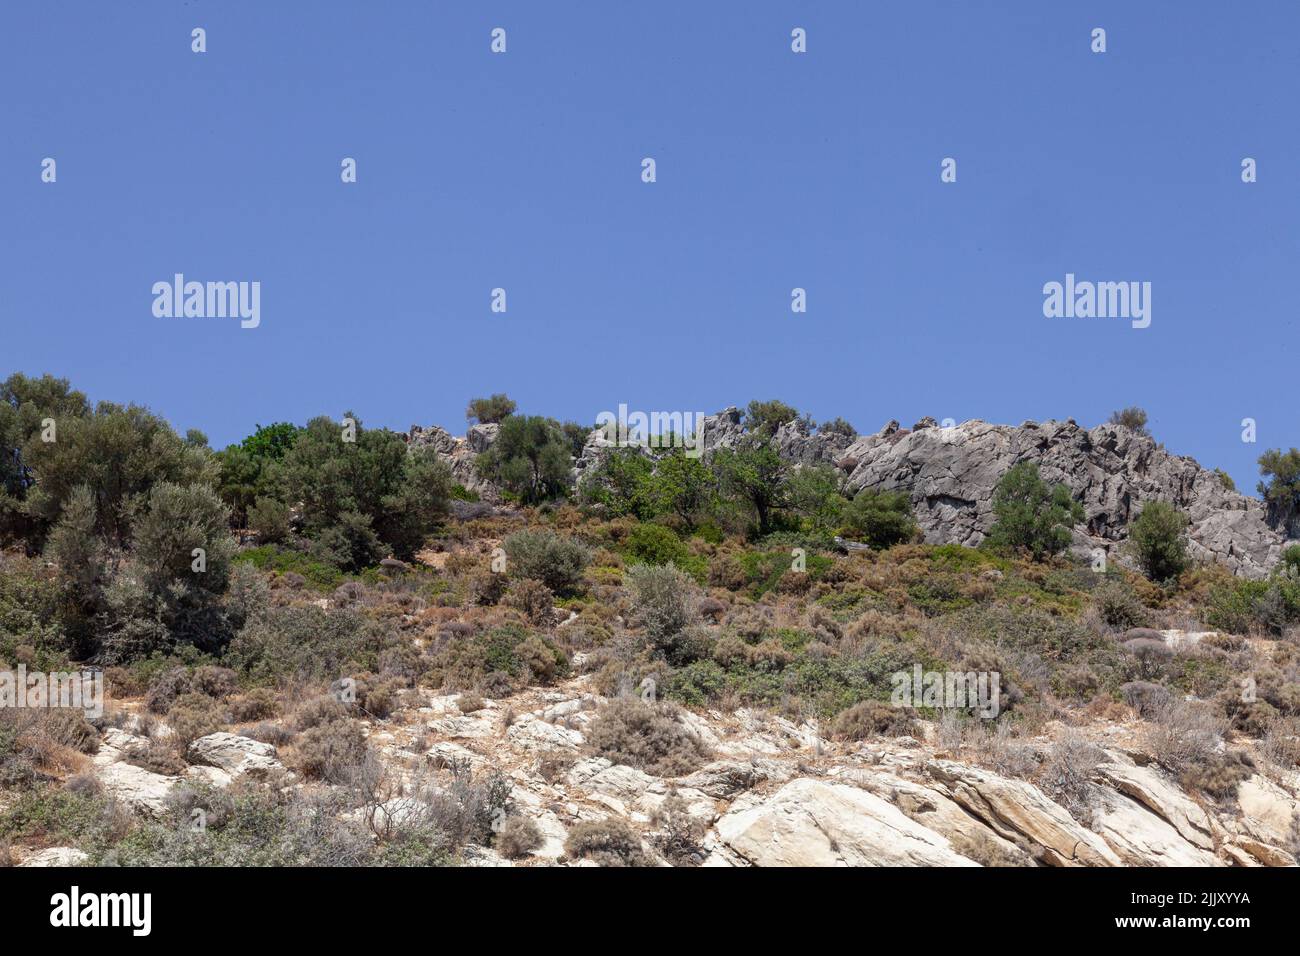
[(1066, 776), (531, 598), (607, 842), (330, 751), (645, 735), (872, 718), (1182, 734), (679, 832), (258, 704), (194, 716), (518, 837)]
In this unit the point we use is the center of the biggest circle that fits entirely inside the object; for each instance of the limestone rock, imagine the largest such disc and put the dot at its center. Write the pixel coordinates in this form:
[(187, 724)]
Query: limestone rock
[(56, 856), (810, 823), (1015, 809)]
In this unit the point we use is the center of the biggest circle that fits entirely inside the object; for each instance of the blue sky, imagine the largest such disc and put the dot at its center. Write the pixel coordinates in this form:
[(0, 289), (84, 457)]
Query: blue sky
[(775, 170)]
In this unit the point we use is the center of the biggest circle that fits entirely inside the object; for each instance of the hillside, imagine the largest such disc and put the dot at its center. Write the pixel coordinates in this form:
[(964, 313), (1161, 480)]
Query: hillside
[(338, 645)]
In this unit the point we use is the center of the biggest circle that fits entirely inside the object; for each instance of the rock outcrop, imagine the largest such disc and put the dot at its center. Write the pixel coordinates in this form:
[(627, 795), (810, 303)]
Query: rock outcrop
[(950, 474)]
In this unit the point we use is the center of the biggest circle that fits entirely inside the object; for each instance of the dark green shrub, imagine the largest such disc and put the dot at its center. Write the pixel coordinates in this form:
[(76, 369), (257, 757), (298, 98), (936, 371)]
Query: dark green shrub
[(1158, 537), (880, 519), (1031, 515), (545, 556)]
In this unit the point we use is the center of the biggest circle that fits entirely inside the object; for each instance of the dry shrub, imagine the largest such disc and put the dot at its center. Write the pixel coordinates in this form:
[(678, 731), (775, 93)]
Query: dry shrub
[(607, 842), (194, 716), (1182, 734), (69, 728), (315, 711), (1219, 775), (277, 735), (1066, 776), (1281, 743), (217, 682), (518, 837), (166, 688), (531, 598), (469, 703), (330, 751), (872, 718), (258, 704), (645, 735), (158, 756), (554, 764), (679, 832), (1144, 697)]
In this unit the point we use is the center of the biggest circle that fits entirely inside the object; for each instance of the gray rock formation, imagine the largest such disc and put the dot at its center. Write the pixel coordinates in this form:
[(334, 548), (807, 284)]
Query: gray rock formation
[(460, 454), (950, 474)]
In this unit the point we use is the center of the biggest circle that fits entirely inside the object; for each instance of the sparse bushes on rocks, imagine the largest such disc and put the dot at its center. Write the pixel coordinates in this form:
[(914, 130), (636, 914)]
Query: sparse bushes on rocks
[(645, 735), (1066, 776), (331, 751), (1182, 734), (518, 837), (679, 832), (872, 718), (607, 842), (545, 556)]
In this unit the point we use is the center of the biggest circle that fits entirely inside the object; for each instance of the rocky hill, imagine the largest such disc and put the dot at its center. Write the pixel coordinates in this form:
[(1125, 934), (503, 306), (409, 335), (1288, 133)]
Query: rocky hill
[(950, 474), (772, 792)]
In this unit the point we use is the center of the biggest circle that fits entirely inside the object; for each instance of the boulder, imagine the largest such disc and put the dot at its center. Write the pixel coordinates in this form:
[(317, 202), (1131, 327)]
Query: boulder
[(1017, 810), (238, 756), (142, 790), (811, 823)]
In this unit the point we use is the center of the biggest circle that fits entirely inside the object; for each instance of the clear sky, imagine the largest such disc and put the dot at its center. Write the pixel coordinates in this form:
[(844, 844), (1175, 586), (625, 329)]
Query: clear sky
[(775, 170)]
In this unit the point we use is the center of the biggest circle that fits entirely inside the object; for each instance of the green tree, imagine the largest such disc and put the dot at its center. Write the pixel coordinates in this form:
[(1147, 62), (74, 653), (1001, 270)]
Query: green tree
[(1281, 487), (120, 453), (764, 418), (182, 540), (245, 468), (1032, 515), (360, 492), (753, 474), (623, 482), (530, 458), (493, 409), (880, 519), (1159, 539), (813, 493), (684, 487)]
